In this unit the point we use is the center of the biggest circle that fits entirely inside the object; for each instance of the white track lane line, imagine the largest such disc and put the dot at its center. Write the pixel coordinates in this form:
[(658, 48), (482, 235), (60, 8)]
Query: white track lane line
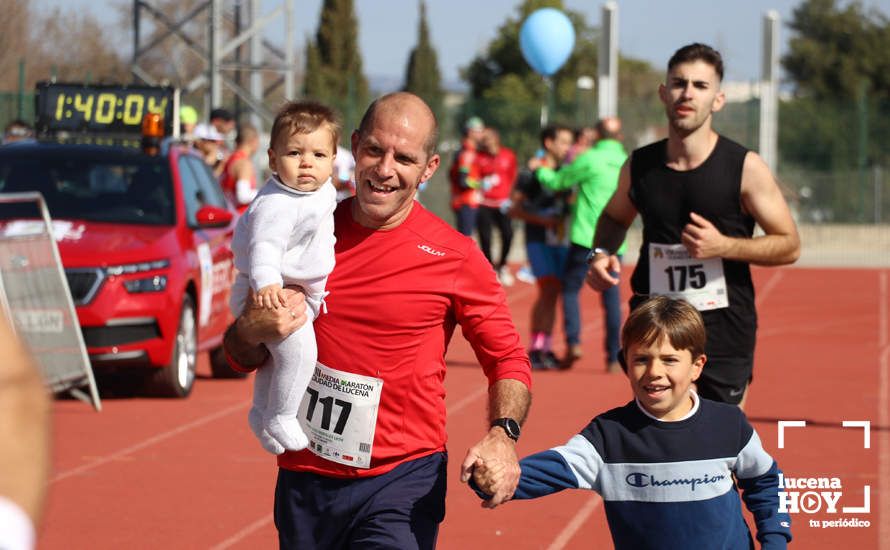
[(95, 463), (768, 286), (242, 534), (267, 520), (578, 521), (457, 407), (884, 410)]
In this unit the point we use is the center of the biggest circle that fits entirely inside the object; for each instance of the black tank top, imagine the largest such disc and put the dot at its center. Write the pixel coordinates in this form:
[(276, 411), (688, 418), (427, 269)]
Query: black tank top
[(664, 198)]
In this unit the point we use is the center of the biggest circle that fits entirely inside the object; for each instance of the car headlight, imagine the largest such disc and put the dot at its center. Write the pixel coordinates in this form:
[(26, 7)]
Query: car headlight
[(149, 284), (137, 267)]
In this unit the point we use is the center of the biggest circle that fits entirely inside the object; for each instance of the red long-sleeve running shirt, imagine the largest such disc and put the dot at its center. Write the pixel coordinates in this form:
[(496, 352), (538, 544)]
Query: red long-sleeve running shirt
[(395, 299), (503, 166)]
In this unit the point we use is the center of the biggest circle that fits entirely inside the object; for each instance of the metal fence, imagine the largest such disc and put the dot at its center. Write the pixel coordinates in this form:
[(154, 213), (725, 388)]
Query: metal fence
[(15, 105), (34, 290), (834, 162)]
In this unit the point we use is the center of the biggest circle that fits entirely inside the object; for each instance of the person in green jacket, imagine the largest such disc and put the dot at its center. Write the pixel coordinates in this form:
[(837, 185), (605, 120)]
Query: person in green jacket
[(595, 173)]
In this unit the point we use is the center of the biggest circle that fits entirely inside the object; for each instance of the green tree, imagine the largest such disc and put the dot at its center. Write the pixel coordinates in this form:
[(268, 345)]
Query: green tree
[(838, 52), (422, 72), (507, 93), (837, 125), (334, 63)]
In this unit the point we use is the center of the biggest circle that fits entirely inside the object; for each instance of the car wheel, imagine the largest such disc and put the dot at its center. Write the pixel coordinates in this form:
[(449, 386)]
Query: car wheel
[(177, 378), (219, 365)]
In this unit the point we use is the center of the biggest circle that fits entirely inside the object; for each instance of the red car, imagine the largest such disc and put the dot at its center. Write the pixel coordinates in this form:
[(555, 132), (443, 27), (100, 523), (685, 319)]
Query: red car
[(146, 246)]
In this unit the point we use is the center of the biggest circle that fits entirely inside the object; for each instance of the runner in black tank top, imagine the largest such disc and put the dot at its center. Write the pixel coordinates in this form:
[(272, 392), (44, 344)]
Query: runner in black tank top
[(699, 195), (664, 198)]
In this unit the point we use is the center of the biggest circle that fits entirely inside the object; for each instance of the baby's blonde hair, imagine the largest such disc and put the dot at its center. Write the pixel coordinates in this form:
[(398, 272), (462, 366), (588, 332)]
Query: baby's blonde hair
[(304, 117)]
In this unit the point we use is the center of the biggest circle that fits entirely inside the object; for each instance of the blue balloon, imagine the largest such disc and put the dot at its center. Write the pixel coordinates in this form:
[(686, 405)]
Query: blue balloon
[(546, 39)]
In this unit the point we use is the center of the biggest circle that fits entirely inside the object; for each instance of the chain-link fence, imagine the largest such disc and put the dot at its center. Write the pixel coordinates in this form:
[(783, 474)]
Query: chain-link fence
[(834, 162), (15, 105), (833, 156)]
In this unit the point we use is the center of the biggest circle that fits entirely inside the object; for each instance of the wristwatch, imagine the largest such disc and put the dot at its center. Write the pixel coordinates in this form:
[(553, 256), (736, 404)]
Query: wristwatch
[(510, 426), (596, 251)]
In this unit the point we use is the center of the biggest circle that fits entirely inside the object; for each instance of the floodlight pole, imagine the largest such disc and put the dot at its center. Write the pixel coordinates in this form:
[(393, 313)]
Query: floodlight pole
[(215, 48), (607, 63), (256, 59), (769, 91), (547, 105)]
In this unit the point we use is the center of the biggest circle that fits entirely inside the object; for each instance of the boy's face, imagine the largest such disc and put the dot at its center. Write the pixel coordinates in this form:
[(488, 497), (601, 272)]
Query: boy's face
[(660, 377), (304, 161)]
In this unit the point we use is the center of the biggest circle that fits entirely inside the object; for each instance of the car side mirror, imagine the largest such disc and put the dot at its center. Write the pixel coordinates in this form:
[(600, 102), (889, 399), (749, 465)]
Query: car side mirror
[(213, 216)]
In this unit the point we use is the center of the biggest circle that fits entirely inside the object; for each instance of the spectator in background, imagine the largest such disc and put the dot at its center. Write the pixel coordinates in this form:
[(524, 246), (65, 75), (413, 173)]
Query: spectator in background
[(17, 130), (209, 142), (223, 121), (25, 452), (595, 173), (546, 215), (465, 179), (497, 168), (188, 119), (585, 137), (238, 180), (344, 173)]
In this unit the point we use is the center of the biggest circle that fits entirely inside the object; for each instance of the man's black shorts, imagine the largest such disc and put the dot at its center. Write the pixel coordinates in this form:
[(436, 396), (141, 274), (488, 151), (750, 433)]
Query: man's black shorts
[(725, 379)]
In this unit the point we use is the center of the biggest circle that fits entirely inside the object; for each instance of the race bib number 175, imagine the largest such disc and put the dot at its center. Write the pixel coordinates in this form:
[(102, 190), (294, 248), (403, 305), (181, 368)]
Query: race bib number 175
[(673, 272)]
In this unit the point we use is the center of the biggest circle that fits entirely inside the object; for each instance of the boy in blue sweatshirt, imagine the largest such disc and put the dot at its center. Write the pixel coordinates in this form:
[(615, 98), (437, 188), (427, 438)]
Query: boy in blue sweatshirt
[(668, 464)]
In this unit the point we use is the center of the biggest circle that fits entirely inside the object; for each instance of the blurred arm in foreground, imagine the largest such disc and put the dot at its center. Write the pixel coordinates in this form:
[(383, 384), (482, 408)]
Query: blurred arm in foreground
[(25, 432)]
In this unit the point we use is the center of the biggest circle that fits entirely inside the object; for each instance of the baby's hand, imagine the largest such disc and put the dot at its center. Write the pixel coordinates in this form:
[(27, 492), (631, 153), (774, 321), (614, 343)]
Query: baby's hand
[(488, 476), (269, 297)]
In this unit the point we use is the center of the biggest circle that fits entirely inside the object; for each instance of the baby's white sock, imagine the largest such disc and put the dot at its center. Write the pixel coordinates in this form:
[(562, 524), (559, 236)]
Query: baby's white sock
[(261, 382), (293, 363)]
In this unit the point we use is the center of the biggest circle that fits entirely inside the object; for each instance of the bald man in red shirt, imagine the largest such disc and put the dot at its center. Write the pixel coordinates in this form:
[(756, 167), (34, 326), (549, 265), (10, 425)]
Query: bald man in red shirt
[(374, 474)]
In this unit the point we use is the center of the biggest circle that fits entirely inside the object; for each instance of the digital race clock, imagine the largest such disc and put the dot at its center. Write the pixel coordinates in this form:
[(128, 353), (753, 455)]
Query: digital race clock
[(101, 109)]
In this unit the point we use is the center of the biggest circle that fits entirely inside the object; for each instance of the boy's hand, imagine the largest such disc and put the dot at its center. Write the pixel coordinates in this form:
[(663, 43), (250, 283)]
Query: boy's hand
[(487, 476), (270, 297), (496, 450)]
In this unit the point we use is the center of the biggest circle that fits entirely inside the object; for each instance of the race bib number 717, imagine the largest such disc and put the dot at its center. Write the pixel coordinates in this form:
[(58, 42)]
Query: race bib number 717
[(339, 415)]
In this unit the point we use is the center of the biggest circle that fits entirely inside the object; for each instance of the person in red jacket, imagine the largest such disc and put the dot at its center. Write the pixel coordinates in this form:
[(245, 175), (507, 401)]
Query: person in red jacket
[(497, 168), (238, 179), (374, 471), (465, 179)]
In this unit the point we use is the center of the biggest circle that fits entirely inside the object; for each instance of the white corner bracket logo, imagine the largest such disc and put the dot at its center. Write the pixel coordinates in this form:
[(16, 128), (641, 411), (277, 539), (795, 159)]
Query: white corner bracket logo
[(809, 494), (430, 250)]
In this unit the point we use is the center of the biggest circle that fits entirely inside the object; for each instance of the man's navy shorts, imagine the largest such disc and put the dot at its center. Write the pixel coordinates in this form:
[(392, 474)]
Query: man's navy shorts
[(399, 509)]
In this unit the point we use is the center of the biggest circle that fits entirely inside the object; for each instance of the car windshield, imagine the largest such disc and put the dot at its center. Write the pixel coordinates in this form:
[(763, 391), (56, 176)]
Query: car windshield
[(124, 189)]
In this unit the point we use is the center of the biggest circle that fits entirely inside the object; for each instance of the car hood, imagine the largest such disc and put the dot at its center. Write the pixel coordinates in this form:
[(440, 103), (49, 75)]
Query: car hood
[(90, 244)]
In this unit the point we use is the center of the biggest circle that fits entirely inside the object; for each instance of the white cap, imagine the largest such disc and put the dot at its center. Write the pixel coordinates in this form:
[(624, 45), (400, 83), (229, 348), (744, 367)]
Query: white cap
[(207, 132)]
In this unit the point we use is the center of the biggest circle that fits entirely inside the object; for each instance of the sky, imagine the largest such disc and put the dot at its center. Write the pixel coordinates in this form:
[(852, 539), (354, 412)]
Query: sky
[(461, 29)]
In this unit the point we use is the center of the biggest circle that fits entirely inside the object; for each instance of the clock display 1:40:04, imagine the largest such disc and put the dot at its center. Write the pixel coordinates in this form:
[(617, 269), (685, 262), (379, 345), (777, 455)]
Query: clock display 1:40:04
[(103, 108)]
